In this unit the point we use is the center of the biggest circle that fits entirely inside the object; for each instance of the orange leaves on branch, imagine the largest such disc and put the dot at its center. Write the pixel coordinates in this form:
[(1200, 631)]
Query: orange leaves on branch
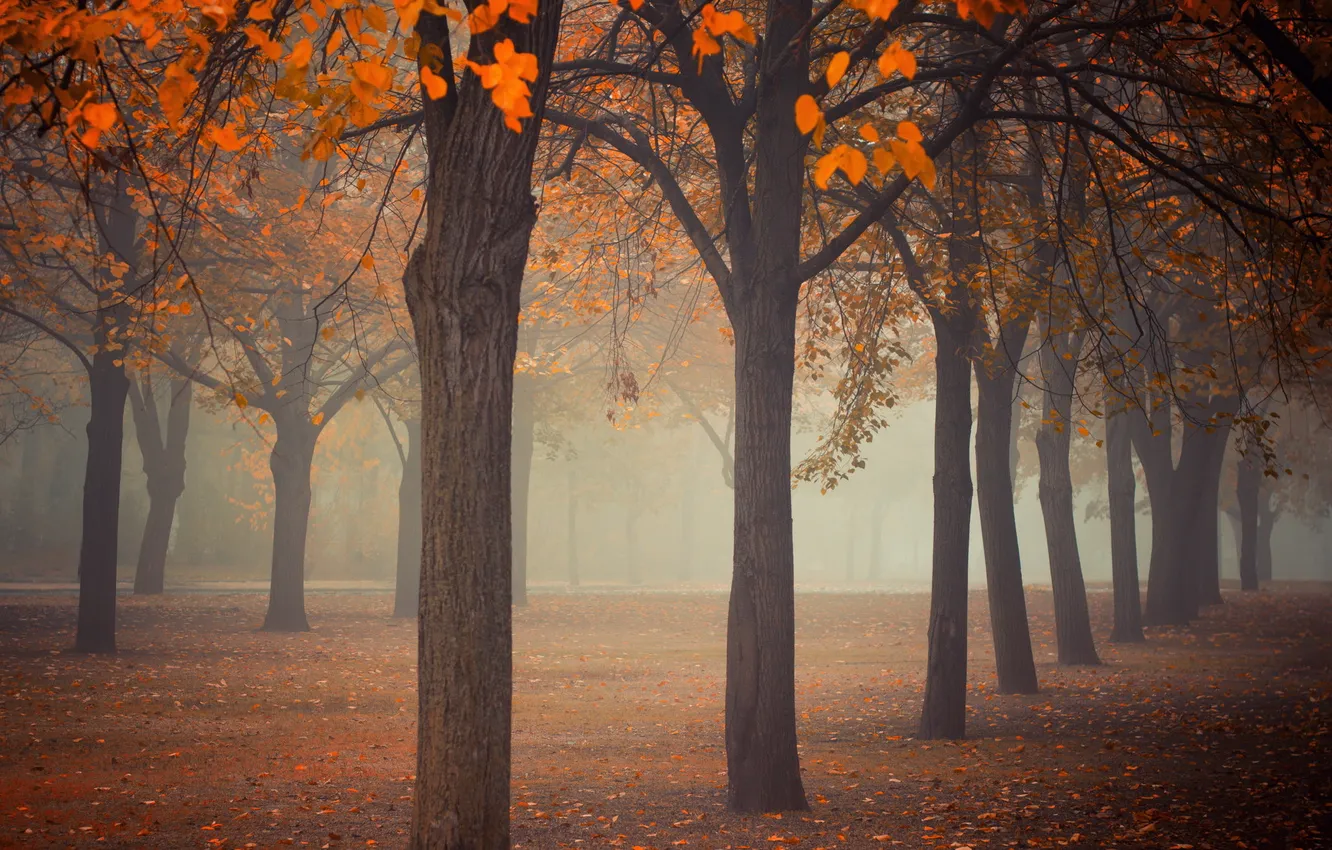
[(487, 16), (507, 80), (226, 139), (267, 46), (409, 11), (435, 86), (985, 11), (175, 91), (99, 117), (837, 67), (809, 118), (875, 10), (897, 58), (715, 25), (844, 158), (908, 152), (241, 401)]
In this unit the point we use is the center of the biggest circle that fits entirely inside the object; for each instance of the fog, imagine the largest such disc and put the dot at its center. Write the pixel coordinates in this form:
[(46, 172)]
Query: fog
[(624, 505)]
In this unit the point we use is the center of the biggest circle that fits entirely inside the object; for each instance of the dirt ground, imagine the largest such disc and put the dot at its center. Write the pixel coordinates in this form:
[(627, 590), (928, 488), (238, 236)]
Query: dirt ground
[(203, 732)]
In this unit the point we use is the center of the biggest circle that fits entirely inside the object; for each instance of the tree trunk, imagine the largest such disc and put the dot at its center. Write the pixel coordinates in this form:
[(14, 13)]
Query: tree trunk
[(1188, 492), (1073, 635), (1122, 489), (164, 465), (571, 529), (463, 287), (101, 498), (945, 708), (1266, 521), (1014, 664), (1167, 586), (407, 587), (291, 461), (524, 443), (1207, 521), (1249, 482), (763, 764)]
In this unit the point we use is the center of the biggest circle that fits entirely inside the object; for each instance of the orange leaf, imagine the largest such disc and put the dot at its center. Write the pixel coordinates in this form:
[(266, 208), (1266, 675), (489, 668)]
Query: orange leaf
[(837, 67), (435, 85)]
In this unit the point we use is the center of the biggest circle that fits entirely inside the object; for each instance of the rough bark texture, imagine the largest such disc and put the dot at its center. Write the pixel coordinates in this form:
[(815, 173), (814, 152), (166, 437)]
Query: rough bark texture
[(1073, 634), (763, 765), (945, 707), (1248, 483), (998, 520), (463, 284), (290, 461), (407, 588), (524, 443), (1122, 487), (164, 466)]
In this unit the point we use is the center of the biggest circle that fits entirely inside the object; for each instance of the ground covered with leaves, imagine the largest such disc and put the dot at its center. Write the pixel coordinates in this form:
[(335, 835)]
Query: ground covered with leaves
[(204, 732)]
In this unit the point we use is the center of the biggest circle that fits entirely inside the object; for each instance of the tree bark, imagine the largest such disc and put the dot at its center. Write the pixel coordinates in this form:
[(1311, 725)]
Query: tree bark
[(1207, 519), (1014, 664), (164, 466), (945, 708), (407, 586), (1122, 487), (524, 444), (463, 287), (1167, 585), (1073, 634), (763, 764), (1249, 482), (101, 499), (291, 461)]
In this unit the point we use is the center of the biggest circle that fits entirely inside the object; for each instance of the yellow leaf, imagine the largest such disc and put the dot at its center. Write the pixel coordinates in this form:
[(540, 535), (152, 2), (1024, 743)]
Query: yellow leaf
[(897, 58), (837, 67), (910, 132), (375, 17), (435, 85), (807, 113), (869, 133), (300, 54)]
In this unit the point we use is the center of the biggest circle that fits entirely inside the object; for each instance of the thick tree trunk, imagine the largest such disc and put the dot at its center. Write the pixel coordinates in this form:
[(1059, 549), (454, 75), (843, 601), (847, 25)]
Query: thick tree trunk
[(101, 501), (291, 462), (945, 708), (571, 530), (164, 465), (463, 287), (1249, 482), (1073, 634), (1167, 585), (1188, 493), (1122, 489), (524, 444), (763, 765), (407, 587), (1013, 659)]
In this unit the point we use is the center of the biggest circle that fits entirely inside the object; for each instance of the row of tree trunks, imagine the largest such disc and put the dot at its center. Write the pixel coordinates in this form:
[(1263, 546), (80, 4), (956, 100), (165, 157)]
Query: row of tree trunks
[(995, 443), (164, 465), (1073, 634)]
